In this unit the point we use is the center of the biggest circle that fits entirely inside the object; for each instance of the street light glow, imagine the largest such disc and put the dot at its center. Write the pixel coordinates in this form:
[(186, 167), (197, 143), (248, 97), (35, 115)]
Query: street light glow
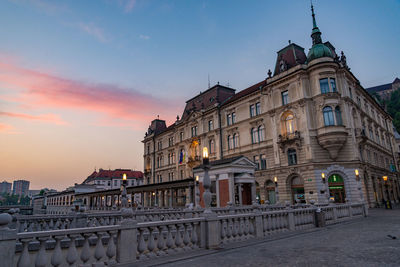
[(385, 178), (124, 176), (205, 153)]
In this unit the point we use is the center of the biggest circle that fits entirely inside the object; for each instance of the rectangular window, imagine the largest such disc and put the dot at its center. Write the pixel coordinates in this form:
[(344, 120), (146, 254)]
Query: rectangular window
[(170, 141), (285, 98), (324, 85), (252, 110), (210, 125), (351, 93), (194, 131), (229, 119), (333, 84), (233, 117), (148, 149), (292, 157), (181, 136), (263, 161), (258, 108)]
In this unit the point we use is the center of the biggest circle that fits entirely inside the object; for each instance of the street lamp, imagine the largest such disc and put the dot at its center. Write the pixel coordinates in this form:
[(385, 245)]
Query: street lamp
[(206, 182), (323, 177), (197, 192), (276, 189), (357, 174), (388, 204), (124, 200)]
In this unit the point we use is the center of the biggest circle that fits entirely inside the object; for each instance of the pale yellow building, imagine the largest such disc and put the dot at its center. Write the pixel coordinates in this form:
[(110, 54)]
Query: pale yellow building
[(310, 127)]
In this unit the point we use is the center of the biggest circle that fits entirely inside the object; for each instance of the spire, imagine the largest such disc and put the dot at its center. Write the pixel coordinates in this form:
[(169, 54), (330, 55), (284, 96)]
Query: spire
[(315, 34)]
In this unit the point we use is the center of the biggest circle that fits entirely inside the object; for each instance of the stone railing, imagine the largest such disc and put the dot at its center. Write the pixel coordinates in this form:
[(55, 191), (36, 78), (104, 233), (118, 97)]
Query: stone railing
[(129, 241), (33, 223)]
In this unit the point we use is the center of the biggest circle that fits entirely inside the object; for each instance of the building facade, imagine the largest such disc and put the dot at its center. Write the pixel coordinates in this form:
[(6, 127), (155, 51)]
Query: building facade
[(312, 130), (5, 187), (20, 187), (112, 179)]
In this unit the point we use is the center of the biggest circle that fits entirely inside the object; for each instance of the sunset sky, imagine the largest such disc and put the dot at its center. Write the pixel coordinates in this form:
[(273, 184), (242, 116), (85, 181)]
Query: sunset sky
[(80, 81)]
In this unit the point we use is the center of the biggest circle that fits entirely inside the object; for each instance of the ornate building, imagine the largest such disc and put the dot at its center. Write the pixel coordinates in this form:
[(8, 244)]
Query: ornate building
[(310, 127)]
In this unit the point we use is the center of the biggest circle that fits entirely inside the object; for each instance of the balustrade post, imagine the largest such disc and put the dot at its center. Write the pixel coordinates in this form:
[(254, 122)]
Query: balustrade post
[(7, 240), (127, 241), (291, 224), (212, 230), (335, 217), (365, 209), (259, 231)]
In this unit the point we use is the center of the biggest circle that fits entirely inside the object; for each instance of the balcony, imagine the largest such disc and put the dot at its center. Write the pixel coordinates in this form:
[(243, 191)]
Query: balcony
[(332, 138), (289, 139)]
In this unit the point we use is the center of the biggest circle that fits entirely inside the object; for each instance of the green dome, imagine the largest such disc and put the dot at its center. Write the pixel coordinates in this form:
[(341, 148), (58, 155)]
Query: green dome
[(318, 51)]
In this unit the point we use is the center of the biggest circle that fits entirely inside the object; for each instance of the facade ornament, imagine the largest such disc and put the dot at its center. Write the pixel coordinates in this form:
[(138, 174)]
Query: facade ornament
[(269, 73)]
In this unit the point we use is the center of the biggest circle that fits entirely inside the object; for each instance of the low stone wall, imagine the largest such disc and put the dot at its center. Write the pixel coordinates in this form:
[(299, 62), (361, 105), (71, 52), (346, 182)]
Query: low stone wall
[(129, 241)]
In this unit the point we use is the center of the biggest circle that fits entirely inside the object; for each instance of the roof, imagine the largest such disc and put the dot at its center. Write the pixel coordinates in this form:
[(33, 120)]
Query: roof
[(245, 92), (117, 173), (379, 88), (289, 56)]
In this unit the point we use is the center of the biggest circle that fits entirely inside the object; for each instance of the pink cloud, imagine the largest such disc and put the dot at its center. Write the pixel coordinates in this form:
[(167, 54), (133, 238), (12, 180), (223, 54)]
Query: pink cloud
[(7, 129), (43, 90), (52, 118), (93, 30)]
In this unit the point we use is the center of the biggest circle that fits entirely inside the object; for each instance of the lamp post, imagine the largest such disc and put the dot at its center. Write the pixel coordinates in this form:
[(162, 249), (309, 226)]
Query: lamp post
[(276, 190), (206, 182), (124, 200), (325, 187), (357, 173), (197, 192), (388, 204)]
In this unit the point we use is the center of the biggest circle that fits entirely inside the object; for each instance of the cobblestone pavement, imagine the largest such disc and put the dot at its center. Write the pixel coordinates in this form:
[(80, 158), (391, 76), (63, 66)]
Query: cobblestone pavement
[(362, 242)]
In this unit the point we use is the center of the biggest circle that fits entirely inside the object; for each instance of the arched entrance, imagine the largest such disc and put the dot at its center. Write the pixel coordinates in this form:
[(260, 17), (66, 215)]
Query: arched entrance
[(297, 189), (270, 192), (336, 188)]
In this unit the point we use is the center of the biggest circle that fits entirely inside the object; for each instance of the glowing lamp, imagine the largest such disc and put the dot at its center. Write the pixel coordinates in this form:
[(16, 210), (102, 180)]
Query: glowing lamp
[(124, 177), (323, 177), (385, 178), (357, 174), (205, 156), (197, 178), (275, 179)]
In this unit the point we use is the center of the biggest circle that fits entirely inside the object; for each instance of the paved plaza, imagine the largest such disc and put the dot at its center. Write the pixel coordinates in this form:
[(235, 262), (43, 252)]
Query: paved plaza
[(362, 242)]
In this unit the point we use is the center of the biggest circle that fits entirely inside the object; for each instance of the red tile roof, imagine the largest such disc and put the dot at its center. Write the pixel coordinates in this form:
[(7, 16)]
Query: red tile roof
[(117, 173)]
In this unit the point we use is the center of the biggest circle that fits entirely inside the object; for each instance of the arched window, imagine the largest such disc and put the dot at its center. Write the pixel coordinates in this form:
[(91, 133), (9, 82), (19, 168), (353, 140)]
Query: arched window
[(338, 115), (292, 156), (328, 116), (261, 133), (254, 135), (211, 146), (289, 124), (235, 140), (230, 142)]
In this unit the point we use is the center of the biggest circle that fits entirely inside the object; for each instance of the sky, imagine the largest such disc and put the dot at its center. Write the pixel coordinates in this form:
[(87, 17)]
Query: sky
[(80, 81)]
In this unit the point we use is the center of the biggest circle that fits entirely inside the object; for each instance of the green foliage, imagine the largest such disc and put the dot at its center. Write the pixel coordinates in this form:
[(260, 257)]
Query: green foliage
[(41, 193), (11, 199)]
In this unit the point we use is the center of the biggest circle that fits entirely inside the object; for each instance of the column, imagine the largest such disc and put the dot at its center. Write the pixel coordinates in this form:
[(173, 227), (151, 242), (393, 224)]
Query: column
[(217, 190), (231, 188), (253, 193), (240, 188)]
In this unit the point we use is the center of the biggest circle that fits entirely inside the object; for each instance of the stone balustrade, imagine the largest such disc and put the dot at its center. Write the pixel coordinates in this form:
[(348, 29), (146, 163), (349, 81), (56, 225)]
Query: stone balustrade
[(124, 240)]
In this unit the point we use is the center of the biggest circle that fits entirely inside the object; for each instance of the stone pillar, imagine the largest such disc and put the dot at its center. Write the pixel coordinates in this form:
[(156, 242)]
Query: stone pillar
[(231, 188), (7, 240), (217, 190), (240, 187), (212, 230), (127, 242), (253, 193)]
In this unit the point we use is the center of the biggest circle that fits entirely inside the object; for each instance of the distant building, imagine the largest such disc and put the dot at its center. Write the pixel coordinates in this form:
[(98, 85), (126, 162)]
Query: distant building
[(20, 187), (385, 90), (112, 179), (33, 192), (5, 187), (62, 202)]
